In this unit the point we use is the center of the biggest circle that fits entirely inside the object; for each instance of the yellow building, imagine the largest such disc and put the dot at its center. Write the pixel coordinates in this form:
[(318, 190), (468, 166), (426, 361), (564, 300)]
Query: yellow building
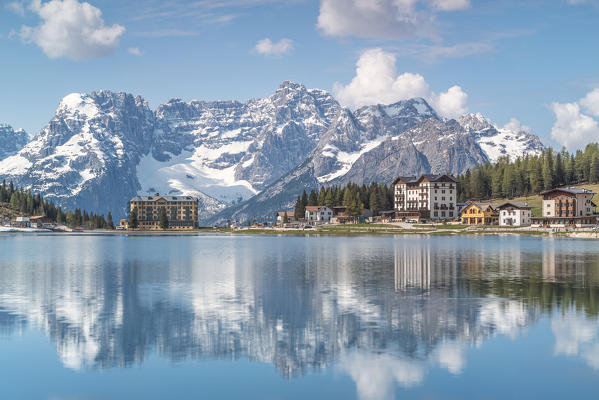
[(181, 211), (480, 214)]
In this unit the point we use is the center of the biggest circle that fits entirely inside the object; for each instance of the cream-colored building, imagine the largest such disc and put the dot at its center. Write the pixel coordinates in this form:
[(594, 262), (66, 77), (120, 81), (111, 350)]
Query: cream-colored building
[(181, 211), (567, 207), (430, 197)]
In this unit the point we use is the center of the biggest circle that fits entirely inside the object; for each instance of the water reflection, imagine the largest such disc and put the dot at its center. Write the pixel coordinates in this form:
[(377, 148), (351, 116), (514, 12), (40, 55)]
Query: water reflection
[(385, 311)]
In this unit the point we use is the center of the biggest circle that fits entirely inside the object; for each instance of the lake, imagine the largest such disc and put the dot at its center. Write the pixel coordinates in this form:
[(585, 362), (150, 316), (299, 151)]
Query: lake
[(294, 317)]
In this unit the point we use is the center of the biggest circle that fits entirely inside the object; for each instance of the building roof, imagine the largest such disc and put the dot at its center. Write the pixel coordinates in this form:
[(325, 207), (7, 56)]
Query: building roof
[(314, 208), (429, 177), (167, 198), (481, 206), (569, 190), (289, 213), (515, 204)]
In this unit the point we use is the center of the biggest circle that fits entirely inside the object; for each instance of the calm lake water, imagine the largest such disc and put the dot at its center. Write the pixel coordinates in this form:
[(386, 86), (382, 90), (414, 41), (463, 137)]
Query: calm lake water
[(266, 317)]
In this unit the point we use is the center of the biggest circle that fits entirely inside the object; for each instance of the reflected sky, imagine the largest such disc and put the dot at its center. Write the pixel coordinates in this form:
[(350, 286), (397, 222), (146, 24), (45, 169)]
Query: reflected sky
[(354, 317)]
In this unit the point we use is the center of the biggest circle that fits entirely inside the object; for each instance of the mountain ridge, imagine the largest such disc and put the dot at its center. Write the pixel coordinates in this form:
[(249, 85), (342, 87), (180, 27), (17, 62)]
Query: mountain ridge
[(101, 149)]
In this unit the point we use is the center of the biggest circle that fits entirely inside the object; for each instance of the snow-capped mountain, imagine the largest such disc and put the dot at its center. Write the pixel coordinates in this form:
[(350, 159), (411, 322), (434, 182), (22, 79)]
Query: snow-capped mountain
[(499, 142), (11, 141), (103, 148), (231, 150), (376, 147)]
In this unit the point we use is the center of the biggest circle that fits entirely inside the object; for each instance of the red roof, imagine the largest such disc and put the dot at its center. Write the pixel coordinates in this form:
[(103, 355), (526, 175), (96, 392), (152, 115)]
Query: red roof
[(313, 208)]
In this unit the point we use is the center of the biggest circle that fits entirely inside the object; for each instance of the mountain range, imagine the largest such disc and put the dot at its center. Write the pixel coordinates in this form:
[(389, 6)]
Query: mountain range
[(241, 159)]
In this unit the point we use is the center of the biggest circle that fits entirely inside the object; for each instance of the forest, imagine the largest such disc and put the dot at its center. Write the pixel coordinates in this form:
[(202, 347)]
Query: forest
[(28, 203), (530, 174), (506, 178), (375, 197)]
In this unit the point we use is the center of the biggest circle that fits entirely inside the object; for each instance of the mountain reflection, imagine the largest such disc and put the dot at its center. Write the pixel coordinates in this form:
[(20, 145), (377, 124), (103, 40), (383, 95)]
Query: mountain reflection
[(383, 310)]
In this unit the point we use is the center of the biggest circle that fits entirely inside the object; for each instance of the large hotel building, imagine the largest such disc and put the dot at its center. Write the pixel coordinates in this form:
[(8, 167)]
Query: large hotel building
[(429, 197), (181, 211)]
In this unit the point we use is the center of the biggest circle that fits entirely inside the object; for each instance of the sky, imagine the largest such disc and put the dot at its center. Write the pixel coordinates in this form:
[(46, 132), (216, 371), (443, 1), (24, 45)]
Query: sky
[(531, 65)]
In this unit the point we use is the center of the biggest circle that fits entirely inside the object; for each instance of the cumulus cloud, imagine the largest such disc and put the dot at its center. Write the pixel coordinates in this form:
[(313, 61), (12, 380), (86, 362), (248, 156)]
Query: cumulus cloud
[(71, 29), (591, 102), (376, 375), (378, 82), (572, 128), (135, 51), (450, 5), (274, 49), (515, 126), (451, 356), (389, 19)]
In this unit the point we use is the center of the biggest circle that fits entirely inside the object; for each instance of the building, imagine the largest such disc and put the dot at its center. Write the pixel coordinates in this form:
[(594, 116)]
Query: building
[(41, 222), (480, 214), (123, 224), (514, 213), (567, 207), (181, 211), (430, 197), (22, 222), (315, 214), (281, 216)]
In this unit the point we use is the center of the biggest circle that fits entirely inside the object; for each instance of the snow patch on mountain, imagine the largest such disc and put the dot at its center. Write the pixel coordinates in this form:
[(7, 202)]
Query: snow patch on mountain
[(190, 172), (500, 142), (344, 159)]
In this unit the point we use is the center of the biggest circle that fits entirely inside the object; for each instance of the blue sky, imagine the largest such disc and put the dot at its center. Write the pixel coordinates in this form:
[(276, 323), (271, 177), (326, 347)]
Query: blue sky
[(536, 61)]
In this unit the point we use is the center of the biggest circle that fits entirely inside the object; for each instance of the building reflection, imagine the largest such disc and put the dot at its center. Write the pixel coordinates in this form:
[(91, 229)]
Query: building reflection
[(394, 309)]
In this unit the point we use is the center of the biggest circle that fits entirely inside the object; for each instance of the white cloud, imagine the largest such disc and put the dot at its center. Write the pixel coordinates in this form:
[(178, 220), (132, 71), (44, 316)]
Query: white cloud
[(389, 19), (591, 102), (450, 5), (451, 356), (275, 49), (71, 29), (578, 336), (376, 375), (515, 126), (377, 81), (572, 128), (17, 7), (451, 104), (135, 51)]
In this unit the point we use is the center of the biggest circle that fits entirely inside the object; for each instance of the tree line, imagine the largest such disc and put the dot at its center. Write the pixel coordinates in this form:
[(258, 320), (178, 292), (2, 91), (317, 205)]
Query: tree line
[(530, 174), (376, 197), (28, 203)]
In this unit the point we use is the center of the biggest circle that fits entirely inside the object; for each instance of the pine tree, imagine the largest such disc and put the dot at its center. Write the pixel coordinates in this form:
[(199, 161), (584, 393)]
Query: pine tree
[(109, 222), (313, 199), (594, 172), (163, 219), (133, 223), (373, 202)]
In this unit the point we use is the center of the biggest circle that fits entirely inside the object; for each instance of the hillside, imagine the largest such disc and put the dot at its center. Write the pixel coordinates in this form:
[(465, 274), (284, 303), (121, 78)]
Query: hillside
[(536, 201)]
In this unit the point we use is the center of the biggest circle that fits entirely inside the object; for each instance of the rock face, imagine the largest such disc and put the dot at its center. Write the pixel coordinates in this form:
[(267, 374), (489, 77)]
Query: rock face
[(499, 142), (86, 156), (251, 158), (11, 141)]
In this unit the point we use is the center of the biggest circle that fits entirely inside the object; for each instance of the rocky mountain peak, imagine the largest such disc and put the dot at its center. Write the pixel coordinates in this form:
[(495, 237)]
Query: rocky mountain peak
[(11, 141), (476, 122)]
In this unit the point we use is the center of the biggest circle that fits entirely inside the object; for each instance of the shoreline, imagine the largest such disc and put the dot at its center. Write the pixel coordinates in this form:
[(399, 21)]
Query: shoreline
[(340, 230)]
